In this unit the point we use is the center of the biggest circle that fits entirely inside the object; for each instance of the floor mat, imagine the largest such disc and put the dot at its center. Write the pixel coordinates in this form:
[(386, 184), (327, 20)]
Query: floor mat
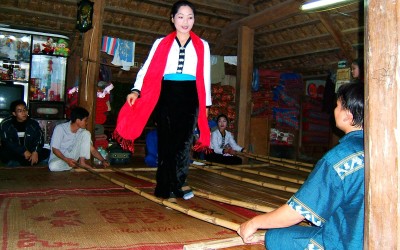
[(38, 179), (107, 221)]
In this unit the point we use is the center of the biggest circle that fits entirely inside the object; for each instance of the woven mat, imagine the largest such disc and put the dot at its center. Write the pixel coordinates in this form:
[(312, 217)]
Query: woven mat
[(39, 179), (119, 220)]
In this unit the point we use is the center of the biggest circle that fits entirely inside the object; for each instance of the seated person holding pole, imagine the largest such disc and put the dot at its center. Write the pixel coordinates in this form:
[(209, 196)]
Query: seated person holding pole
[(224, 145), (332, 198), (71, 143), (22, 138)]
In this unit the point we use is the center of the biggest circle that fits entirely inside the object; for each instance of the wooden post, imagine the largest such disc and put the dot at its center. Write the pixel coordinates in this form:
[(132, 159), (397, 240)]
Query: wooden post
[(91, 63), (382, 215), (243, 87)]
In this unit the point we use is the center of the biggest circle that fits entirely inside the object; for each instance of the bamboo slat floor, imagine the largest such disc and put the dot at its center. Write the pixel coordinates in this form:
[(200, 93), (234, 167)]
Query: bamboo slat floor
[(233, 188), (220, 183)]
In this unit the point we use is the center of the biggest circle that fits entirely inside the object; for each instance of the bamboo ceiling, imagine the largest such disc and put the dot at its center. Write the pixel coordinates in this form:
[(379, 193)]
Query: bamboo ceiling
[(285, 38)]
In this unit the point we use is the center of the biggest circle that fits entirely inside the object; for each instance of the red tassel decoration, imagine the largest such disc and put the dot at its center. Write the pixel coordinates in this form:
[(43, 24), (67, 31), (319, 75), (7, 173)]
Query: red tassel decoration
[(124, 143)]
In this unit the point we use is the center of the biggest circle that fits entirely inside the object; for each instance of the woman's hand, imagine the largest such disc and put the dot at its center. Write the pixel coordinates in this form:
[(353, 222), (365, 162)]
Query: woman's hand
[(246, 231), (131, 98), (230, 151)]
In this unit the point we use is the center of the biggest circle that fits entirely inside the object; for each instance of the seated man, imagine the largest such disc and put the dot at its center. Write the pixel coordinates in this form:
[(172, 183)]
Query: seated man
[(332, 198), (71, 143), (22, 138)]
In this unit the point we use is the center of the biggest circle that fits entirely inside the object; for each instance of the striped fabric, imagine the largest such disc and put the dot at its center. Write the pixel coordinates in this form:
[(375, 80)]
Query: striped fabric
[(181, 55), (108, 45)]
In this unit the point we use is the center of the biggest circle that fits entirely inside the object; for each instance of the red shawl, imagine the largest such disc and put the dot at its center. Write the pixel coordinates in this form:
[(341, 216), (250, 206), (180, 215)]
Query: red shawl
[(132, 119)]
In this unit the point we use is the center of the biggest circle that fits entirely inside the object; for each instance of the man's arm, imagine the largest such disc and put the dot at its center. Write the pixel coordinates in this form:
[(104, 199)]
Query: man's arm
[(38, 136), (38, 139), (7, 134), (71, 162), (284, 216)]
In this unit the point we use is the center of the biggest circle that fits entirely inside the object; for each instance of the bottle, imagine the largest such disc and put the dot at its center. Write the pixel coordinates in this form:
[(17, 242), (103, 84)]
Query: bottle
[(103, 153)]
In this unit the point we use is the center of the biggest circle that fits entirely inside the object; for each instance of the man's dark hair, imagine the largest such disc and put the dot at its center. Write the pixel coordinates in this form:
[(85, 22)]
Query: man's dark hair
[(14, 105), (78, 113), (351, 96)]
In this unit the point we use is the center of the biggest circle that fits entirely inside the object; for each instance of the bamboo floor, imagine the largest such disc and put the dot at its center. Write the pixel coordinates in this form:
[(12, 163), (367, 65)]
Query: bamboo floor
[(259, 186), (263, 184)]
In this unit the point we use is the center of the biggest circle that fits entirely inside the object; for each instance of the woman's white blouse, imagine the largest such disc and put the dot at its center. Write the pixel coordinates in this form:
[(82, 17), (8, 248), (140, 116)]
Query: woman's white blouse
[(216, 141), (189, 67)]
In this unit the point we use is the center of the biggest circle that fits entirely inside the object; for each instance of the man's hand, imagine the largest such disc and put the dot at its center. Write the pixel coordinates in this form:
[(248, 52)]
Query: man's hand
[(27, 155), (83, 163), (34, 158), (71, 162), (105, 163)]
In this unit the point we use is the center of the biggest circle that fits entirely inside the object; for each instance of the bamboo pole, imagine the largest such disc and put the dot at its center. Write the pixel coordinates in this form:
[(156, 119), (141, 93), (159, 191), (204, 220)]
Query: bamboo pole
[(283, 164), (224, 243), (207, 218), (134, 169), (299, 163), (248, 180), (261, 173), (252, 206)]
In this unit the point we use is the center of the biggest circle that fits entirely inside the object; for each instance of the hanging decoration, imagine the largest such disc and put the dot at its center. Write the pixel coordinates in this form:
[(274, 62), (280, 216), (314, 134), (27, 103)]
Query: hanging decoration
[(84, 15)]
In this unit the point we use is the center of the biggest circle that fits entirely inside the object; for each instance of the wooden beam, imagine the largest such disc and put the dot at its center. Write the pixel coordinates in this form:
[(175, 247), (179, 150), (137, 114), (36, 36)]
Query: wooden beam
[(221, 8), (337, 35), (382, 125), (164, 19), (292, 56), (304, 23), (268, 16), (91, 64), (243, 86), (309, 38)]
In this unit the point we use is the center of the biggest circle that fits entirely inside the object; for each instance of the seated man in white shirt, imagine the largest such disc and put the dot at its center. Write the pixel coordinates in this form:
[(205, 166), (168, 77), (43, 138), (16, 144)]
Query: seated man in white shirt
[(71, 143)]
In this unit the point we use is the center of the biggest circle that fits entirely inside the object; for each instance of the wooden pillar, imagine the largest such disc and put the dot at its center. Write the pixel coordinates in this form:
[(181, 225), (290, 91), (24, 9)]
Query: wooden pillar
[(91, 63), (382, 54), (243, 86)]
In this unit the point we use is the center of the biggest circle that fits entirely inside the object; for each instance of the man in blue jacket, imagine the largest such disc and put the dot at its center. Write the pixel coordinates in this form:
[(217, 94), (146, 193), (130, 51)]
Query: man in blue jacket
[(332, 197), (22, 138)]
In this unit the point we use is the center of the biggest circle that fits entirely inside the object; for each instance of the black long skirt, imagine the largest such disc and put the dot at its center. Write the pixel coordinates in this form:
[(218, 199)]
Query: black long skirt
[(176, 117)]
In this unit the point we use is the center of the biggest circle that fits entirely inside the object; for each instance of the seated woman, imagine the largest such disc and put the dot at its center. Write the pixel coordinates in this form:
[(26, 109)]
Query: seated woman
[(357, 71), (224, 145)]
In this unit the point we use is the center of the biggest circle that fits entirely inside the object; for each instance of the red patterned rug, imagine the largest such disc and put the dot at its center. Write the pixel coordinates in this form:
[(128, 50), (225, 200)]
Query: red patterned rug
[(82, 211)]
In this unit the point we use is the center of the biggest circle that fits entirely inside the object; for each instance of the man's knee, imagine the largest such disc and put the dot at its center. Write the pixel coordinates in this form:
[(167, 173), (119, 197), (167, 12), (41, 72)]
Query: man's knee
[(57, 166)]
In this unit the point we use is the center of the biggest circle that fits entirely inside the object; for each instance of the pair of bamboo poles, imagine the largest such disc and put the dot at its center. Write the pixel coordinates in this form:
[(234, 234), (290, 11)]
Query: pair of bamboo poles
[(211, 219)]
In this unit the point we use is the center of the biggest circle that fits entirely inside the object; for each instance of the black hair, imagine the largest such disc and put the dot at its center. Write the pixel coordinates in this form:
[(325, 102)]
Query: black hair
[(222, 115), (179, 4), (351, 96), (15, 103), (78, 113), (360, 63)]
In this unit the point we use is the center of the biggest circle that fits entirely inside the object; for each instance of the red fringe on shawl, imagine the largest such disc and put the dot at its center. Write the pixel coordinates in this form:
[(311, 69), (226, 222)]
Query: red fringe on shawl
[(201, 148), (129, 144), (124, 143)]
